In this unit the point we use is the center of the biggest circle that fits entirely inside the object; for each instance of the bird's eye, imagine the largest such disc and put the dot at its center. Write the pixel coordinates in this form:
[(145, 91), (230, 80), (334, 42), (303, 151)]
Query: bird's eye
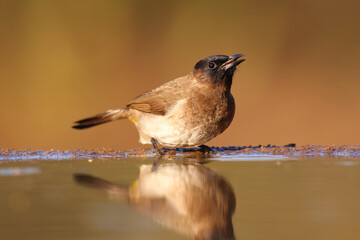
[(211, 65)]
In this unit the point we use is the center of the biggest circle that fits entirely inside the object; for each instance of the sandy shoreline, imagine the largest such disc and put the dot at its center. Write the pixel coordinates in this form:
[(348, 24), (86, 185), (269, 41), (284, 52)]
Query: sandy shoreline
[(288, 150)]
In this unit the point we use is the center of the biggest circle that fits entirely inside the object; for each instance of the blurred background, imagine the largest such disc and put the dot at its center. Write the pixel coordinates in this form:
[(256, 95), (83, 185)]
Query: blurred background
[(61, 61)]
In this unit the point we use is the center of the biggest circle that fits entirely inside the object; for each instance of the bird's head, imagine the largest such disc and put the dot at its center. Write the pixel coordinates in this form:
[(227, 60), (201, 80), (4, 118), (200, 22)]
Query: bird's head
[(217, 69)]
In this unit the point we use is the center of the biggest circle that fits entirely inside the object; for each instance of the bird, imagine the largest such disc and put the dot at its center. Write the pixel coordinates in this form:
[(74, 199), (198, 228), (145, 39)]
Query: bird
[(185, 112)]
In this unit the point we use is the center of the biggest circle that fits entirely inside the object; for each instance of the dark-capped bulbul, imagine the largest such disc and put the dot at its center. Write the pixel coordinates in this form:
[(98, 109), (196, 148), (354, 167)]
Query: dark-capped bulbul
[(185, 112)]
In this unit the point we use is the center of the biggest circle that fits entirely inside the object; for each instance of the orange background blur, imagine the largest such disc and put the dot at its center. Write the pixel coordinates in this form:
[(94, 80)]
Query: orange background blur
[(61, 61)]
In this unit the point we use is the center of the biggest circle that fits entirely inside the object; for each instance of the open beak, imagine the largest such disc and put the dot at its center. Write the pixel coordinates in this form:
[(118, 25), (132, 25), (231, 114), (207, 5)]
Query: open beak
[(233, 61)]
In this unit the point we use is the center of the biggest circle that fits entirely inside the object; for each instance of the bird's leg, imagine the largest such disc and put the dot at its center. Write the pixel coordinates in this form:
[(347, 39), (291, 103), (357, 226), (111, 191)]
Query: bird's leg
[(158, 154), (156, 148)]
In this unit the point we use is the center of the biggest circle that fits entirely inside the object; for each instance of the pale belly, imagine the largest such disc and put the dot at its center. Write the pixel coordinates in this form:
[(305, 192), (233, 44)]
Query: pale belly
[(169, 132), (179, 131)]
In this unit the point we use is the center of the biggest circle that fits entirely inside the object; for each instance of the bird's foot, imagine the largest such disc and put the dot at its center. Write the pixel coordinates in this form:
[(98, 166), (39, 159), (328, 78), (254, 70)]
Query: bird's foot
[(157, 152), (205, 150)]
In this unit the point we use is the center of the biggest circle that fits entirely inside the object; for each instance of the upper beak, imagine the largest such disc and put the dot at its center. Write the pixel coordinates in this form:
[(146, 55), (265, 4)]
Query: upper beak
[(233, 61)]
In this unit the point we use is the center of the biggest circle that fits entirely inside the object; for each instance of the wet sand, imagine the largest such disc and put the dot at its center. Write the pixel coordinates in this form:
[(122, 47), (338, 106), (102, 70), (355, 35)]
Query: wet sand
[(290, 150)]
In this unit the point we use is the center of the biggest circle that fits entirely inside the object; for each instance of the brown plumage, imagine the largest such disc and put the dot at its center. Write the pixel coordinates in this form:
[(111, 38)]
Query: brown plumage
[(185, 112)]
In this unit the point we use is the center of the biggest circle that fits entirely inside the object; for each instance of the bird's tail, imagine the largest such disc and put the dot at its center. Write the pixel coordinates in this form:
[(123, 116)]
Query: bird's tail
[(101, 118)]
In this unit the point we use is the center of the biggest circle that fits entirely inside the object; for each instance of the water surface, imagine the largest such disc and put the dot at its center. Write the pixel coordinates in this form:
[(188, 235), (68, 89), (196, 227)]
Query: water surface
[(285, 198)]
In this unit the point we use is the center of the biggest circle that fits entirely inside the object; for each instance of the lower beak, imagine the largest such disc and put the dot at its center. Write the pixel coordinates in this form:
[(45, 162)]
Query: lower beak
[(233, 61)]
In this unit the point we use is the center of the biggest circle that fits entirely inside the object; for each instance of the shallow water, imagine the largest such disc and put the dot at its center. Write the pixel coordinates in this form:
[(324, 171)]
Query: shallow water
[(285, 198)]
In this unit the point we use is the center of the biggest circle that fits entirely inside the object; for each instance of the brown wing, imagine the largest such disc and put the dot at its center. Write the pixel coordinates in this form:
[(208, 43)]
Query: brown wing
[(160, 99)]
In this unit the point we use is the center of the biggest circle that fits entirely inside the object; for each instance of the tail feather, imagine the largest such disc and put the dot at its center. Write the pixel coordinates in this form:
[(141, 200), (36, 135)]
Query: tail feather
[(101, 118)]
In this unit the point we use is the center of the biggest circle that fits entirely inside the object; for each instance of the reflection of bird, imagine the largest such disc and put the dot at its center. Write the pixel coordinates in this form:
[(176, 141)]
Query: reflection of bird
[(189, 199), (185, 112)]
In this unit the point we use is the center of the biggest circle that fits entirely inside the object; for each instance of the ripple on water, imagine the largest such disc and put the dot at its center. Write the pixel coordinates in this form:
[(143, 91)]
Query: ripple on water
[(251, 157), (19, 171)]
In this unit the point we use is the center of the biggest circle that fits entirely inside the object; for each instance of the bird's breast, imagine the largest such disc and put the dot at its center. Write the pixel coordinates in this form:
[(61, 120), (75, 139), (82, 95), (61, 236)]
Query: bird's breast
[(216, 111)]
